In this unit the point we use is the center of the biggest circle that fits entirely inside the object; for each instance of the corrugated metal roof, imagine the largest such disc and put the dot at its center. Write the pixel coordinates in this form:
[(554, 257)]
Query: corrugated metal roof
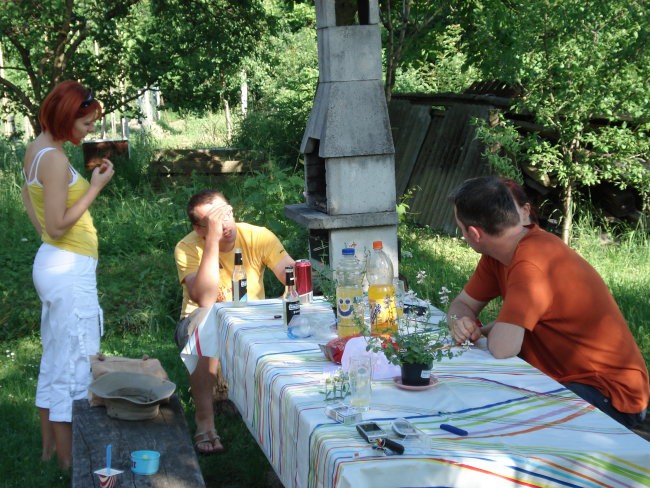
[(436, 150)]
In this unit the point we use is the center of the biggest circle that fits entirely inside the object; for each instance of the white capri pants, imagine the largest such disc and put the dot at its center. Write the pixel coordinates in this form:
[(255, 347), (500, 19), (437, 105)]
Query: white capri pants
[(71, 327)]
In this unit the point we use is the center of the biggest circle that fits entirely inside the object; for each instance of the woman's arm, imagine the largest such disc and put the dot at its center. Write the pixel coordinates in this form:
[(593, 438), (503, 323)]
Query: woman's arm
[(53, 174)]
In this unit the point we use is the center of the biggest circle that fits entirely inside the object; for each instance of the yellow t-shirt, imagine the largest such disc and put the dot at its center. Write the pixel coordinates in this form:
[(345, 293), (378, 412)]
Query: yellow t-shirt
[(260, 249), (81, 238)]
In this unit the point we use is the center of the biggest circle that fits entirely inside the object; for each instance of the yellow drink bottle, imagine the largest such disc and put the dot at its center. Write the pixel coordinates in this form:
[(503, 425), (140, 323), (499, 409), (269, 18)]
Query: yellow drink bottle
[(349, 294), (383, 313), (381, 292)]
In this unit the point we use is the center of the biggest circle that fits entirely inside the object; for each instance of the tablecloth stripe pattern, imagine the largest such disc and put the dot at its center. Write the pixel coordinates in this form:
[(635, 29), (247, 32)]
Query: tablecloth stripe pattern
[(524, 428)]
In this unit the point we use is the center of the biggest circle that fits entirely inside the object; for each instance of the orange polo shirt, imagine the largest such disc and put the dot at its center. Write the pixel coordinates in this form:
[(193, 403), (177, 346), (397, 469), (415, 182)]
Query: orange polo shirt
[(575, 332)]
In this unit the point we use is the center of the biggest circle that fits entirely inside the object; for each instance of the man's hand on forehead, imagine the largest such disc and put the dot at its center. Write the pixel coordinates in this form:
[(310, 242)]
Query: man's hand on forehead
[(220, 210)]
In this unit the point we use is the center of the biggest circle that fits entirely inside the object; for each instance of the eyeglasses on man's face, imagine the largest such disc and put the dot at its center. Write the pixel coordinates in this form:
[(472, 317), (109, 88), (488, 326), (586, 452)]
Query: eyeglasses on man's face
[(89, 99)]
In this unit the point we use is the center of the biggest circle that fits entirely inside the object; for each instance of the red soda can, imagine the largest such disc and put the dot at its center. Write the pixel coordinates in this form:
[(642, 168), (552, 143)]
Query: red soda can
[(303, 280)]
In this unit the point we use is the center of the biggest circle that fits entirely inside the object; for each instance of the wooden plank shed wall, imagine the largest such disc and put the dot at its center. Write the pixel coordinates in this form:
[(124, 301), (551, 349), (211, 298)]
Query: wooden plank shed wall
[(436, 150)]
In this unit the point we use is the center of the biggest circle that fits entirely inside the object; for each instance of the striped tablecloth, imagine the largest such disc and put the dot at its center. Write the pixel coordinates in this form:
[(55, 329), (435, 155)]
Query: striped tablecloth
[(524, 428)]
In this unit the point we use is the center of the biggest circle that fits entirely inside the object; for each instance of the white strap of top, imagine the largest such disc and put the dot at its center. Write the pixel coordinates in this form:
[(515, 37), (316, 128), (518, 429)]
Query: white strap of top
[(33, 170)]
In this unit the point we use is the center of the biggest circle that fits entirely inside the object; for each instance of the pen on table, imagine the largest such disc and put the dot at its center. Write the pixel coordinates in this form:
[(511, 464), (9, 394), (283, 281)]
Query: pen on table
[(453, 430)]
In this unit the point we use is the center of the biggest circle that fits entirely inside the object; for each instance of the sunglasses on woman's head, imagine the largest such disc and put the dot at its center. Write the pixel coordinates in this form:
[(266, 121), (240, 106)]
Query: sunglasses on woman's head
[(86, 103)]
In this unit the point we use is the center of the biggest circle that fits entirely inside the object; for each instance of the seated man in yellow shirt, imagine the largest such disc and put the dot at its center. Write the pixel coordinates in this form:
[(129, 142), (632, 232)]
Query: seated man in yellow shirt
[(205, 262)]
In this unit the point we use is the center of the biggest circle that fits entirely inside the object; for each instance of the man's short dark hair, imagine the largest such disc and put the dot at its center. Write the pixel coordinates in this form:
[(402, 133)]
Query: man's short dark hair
[(201, 198), (485, 202)]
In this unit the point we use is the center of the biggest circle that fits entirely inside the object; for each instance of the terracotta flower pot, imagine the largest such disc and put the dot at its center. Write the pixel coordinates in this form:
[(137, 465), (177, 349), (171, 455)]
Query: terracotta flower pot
[(416, 374)]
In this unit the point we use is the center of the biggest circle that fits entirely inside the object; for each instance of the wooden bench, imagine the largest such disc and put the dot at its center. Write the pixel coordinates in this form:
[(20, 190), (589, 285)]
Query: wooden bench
[(93, 430), (218, 161)]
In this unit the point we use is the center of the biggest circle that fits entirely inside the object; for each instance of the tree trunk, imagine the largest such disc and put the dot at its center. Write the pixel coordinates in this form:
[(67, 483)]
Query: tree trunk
[(30, 126), (226, 106), (147, 109), (567, 207), (390, 55), (113, 124), (9, 126), (244, 94)]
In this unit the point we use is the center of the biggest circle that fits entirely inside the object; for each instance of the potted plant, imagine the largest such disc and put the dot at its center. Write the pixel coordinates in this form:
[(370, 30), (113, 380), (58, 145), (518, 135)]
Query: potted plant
[(414, 348)]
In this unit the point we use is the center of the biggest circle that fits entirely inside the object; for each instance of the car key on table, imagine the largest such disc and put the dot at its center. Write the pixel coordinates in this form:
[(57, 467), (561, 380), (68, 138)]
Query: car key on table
[(386, 443), (377, 437)]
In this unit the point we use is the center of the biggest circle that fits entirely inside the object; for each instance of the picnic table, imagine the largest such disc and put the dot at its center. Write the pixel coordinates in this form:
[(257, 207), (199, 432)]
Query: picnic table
[(524, 428)]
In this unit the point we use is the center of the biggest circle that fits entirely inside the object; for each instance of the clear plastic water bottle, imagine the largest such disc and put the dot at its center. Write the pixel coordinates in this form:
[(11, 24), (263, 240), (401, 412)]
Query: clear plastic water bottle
[(381, 291), (349, 294), (299, 327)]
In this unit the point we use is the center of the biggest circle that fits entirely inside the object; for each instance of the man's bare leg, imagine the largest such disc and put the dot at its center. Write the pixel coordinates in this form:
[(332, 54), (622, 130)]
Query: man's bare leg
[(202, 382)]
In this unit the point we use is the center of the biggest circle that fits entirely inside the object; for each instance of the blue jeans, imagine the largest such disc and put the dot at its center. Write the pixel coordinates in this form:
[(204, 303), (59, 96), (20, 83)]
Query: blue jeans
[(600, 401)]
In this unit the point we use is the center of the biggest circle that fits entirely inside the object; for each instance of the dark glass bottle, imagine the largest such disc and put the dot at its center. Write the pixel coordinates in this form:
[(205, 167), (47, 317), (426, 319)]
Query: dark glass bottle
[(239, 282), (290, 299)]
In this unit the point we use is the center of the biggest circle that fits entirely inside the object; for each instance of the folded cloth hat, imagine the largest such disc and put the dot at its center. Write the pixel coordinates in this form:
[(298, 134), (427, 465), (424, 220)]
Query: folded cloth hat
[(132, 396), (186, 326)]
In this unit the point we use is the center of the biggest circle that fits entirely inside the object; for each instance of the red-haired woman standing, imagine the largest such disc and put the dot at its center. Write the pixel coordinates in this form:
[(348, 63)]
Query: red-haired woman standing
[(57, 199)]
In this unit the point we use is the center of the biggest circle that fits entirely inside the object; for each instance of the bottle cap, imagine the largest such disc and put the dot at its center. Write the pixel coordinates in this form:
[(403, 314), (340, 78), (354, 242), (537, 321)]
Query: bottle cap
[(348, 251), (377, 245)]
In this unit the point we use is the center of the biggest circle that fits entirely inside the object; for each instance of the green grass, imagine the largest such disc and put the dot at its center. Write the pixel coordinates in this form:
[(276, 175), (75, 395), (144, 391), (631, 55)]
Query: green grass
[(139, 221), (193, 132)]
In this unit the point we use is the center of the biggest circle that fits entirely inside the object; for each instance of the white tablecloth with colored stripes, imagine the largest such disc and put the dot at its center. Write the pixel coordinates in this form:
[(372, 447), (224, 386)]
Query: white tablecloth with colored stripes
[(524, 428)]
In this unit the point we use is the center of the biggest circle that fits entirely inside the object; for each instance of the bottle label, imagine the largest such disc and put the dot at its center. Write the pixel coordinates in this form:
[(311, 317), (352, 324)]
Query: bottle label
[(348, 311), (240, 290), (291, 308), (383, 313)]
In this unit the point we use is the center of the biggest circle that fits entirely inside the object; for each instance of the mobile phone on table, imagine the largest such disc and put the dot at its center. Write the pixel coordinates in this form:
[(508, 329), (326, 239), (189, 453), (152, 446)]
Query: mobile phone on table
[(371, 431)]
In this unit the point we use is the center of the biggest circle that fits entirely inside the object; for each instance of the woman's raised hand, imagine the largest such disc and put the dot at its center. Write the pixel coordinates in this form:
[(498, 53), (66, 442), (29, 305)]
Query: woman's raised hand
[(102, 174)]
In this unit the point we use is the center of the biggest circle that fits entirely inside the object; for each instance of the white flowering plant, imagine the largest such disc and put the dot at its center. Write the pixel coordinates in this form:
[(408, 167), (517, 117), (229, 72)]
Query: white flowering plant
[(336, 385), (415, 341)]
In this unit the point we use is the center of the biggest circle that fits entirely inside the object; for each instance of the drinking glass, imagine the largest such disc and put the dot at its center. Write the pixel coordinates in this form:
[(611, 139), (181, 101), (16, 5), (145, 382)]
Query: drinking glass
[(400, 293), (360, 372)]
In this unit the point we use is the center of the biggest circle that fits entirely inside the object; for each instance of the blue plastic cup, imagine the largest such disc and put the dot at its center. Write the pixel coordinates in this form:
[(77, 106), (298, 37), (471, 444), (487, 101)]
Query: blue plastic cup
[(145, 462)]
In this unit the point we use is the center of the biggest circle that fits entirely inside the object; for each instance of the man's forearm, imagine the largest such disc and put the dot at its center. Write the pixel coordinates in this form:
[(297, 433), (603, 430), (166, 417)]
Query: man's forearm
[(461, 318), (204, 290), (458, 309)]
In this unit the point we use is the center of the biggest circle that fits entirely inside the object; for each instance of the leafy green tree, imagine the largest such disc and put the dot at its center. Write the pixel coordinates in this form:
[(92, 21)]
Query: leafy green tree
[(438, 65), (410, 28), (189, 49), (584, 68), (282, 76)]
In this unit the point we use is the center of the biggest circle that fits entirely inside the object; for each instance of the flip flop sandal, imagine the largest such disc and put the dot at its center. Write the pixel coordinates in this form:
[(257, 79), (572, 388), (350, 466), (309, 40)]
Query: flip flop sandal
[(211, 439)]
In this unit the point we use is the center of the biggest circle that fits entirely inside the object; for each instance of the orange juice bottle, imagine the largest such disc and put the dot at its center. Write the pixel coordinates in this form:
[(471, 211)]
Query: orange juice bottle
[(383, 313), (381, 292)]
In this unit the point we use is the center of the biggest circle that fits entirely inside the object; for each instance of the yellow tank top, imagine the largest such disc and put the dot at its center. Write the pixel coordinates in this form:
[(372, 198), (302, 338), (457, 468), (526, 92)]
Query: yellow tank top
[(81, 238)]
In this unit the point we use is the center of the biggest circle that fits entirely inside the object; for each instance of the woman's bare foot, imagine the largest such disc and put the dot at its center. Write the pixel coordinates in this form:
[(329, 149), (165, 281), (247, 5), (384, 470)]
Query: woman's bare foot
[(47, 454), (64, 463)]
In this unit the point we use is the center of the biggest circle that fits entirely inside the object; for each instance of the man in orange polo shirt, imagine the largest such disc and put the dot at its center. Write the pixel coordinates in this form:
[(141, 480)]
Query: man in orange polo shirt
[(557, 312)]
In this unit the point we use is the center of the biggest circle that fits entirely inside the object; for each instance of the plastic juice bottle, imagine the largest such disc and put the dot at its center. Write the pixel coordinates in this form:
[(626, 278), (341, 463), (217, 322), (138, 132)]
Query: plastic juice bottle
[(349, 294), (381, 292)]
